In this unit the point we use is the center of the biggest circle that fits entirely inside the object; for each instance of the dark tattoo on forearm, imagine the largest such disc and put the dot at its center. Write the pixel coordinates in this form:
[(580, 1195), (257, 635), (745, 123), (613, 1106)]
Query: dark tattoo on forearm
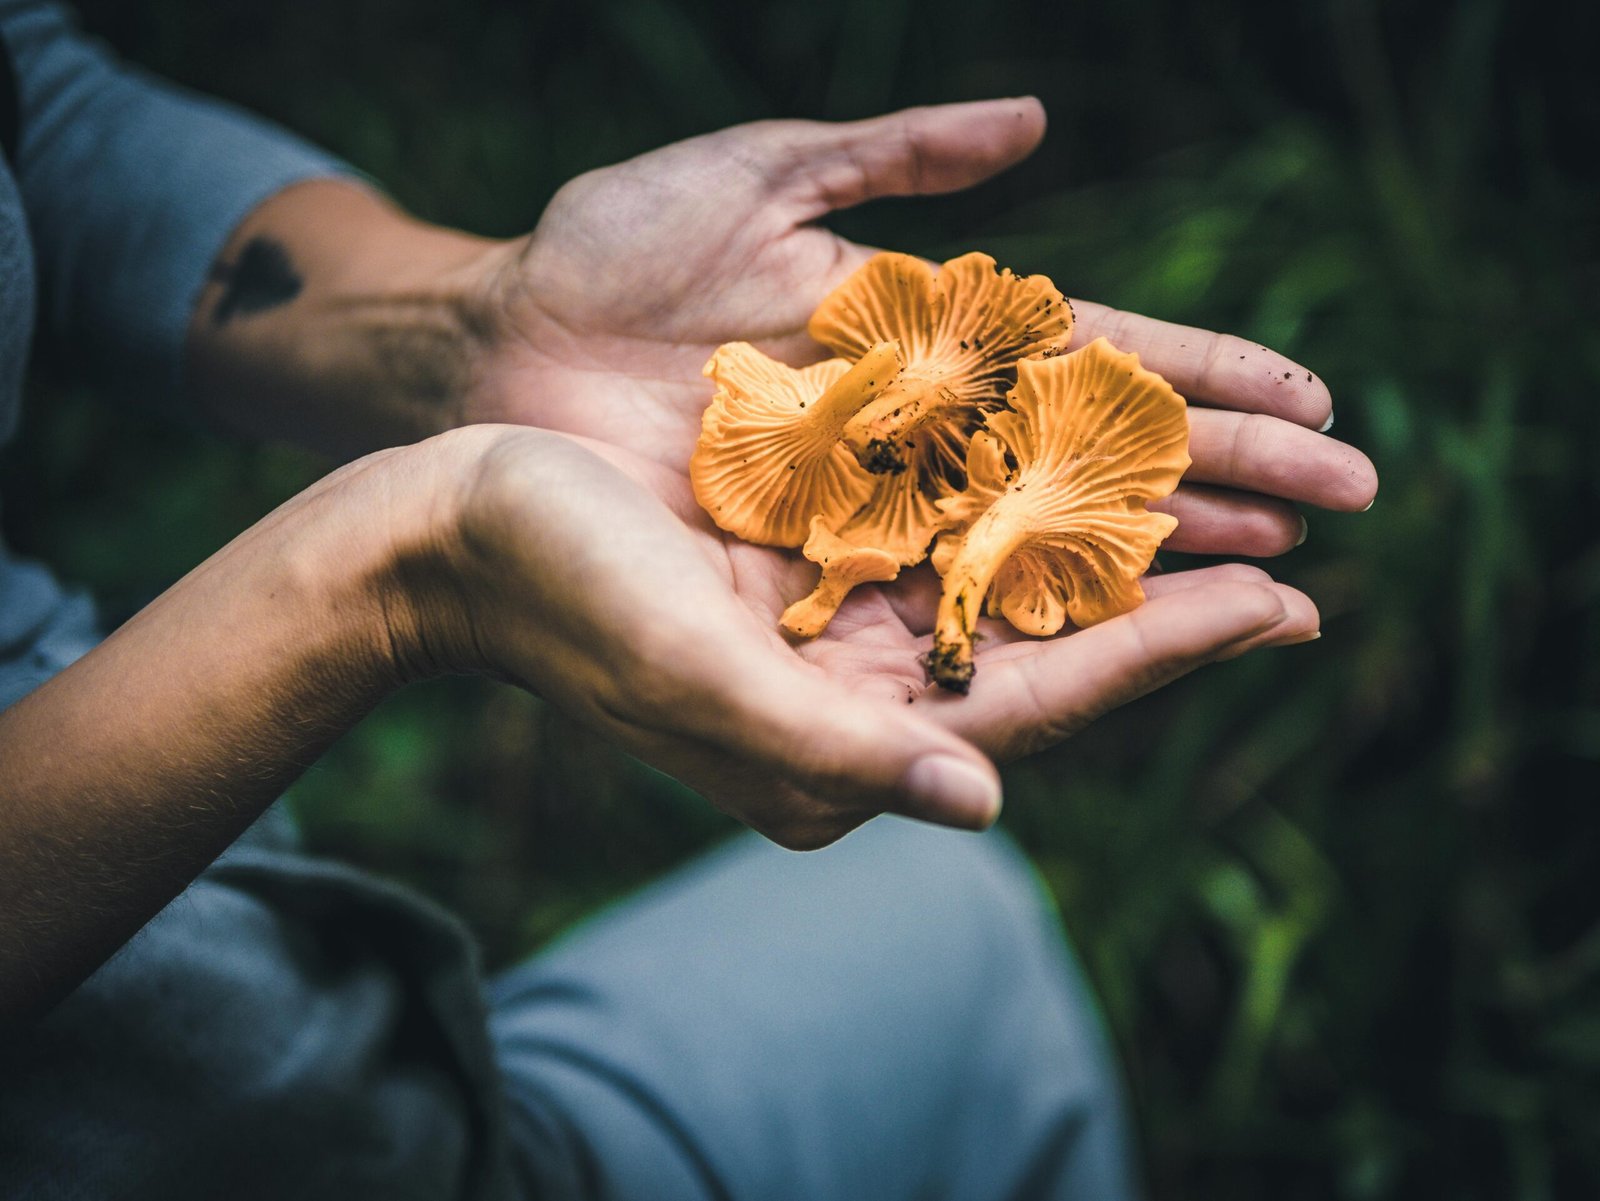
[(261, 278), (419, 348)]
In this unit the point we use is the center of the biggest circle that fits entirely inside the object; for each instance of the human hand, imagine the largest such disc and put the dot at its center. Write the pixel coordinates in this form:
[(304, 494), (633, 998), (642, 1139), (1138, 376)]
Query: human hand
[(596, 327), (581, 571), (637, 272)]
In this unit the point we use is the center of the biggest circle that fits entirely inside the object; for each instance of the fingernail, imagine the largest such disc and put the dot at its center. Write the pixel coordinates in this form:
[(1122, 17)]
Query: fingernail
[(953, 790), (1299, 638), (1370, 503), (1305, 529), (1326, 425)]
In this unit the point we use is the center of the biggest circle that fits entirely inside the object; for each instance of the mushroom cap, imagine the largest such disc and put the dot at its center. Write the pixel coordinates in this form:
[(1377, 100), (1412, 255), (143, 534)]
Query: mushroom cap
[(1057, 488), (963, 329), (769, 457)]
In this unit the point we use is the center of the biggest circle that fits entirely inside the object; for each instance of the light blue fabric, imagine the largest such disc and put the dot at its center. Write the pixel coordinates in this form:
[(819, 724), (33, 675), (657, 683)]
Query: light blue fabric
[(16, 295), (894, 1017), (123, 191), (130, 186), (287, 1028)]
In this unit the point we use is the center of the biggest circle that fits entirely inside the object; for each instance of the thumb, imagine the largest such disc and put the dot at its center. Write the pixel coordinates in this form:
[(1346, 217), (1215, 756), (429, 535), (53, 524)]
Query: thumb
[(1029, 701), (914, 152), (843, 757)]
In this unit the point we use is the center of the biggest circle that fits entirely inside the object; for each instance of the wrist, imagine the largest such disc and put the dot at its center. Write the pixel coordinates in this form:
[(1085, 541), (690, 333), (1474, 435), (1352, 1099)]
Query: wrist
[(132, 769), (393, 552), (335, 319)]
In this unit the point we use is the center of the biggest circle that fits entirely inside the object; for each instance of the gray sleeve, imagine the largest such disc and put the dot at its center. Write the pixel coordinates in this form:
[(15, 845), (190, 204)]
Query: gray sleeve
[(131, 187)]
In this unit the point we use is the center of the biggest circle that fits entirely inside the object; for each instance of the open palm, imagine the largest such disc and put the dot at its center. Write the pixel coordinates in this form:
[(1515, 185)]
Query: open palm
[(637, 272)]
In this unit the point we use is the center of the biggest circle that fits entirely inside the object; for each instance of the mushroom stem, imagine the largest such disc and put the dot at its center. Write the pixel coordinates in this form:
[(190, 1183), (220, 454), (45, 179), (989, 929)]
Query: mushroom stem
[(985, 547), (876, 434), (810, 615), (831, 412)]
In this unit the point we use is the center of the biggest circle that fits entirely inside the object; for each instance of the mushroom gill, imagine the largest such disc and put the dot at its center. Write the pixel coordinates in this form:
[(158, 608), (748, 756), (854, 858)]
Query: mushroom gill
[(1053, 526), (962, 332), (899, 520), (769, 458)]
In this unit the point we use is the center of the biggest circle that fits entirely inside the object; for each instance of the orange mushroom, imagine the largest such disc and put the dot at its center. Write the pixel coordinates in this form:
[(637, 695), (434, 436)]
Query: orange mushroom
[(1053, 524), (899, 520), (844, 565), (769, 458), (962, 332)]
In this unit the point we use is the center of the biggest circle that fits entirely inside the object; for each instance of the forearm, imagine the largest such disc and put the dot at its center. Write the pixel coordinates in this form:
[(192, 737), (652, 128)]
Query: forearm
[(335, 320), (124, 776)]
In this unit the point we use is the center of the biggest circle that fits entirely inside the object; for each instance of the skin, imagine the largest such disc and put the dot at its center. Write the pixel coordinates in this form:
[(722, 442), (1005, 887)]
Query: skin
[(552, 540)]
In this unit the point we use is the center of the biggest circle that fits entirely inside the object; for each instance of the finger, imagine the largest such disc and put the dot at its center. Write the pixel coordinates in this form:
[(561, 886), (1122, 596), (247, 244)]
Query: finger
[(1255, 453), (789, 749), (738, 712), (915, 596), (1220, 521), (1025, 697), (1215, 521), (1302, 625), (1179, 581), (999, 633), (914, 152), (1209, 368), (709, 694), (856, 754)]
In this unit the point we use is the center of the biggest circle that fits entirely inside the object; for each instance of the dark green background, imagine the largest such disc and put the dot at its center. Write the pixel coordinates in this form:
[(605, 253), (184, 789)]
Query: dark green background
[(1343, 900)]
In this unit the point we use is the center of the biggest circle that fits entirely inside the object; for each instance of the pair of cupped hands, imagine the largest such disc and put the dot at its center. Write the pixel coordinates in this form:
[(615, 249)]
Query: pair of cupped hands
[(582, 567)]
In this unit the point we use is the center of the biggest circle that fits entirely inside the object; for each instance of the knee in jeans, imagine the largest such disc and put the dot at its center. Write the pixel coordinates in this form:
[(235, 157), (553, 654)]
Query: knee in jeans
[(985, 874)]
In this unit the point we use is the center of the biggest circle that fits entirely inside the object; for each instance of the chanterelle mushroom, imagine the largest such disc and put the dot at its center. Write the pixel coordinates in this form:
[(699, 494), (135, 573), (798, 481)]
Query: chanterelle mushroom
[(844, 565), (961, 331), (895, 526), (1053, 523), (769, 457)]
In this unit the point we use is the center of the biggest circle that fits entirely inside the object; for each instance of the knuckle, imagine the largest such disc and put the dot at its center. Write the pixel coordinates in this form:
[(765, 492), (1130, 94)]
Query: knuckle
[(1219, 357), (1242, 573), (1117, 327), (1248, 431), (909, 131), (1275, 533), (1266, 605)]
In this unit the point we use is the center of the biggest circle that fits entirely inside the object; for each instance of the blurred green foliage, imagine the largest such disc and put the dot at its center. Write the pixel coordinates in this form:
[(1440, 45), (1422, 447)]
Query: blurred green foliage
[(1342, 901)]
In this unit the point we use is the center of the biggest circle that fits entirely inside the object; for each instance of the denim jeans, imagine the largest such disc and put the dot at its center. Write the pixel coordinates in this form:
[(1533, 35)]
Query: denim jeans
[(894, 1017)]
